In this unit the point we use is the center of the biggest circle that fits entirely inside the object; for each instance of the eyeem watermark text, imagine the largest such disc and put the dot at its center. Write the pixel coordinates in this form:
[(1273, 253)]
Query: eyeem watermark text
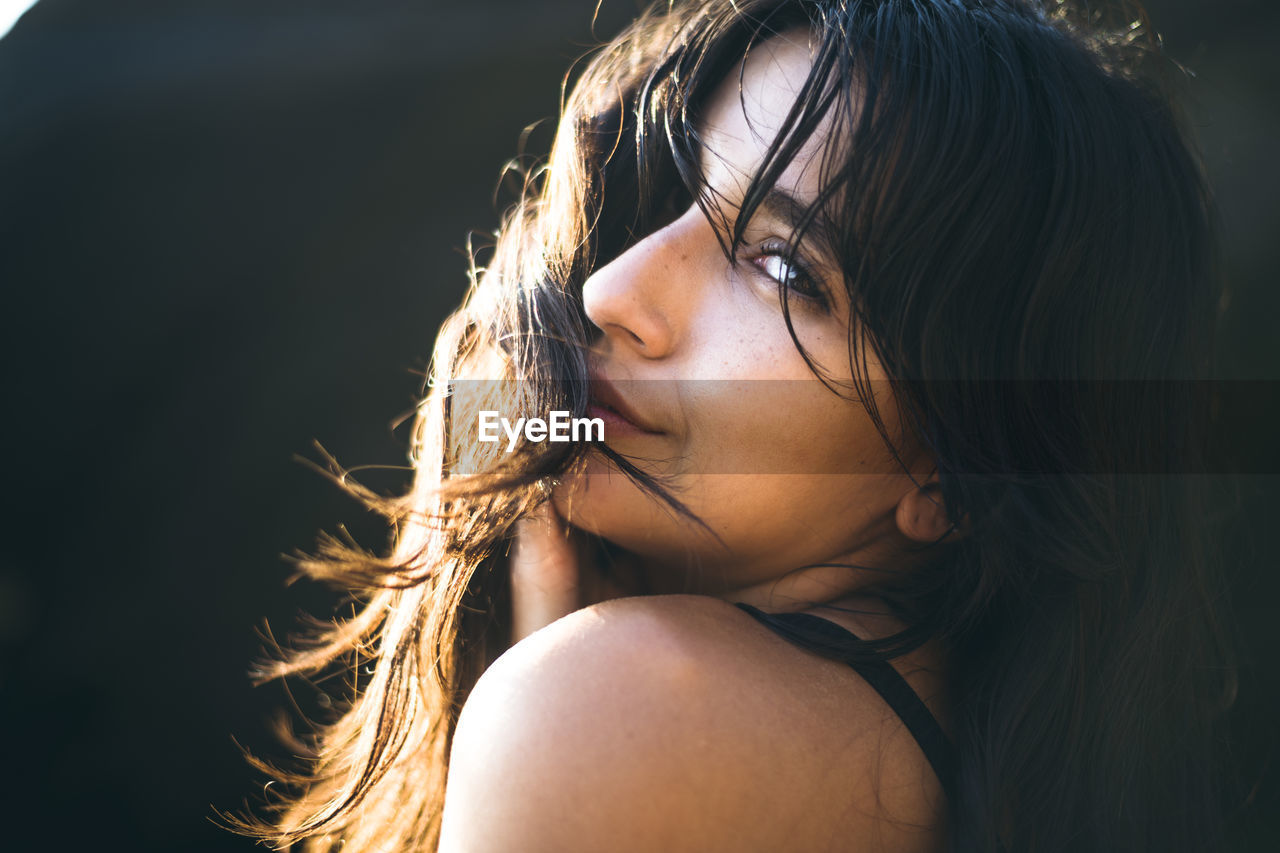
[(558, 426)]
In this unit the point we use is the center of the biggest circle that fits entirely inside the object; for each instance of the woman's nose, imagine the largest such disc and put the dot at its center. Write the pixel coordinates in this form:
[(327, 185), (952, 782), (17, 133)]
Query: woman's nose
[(641, 298)]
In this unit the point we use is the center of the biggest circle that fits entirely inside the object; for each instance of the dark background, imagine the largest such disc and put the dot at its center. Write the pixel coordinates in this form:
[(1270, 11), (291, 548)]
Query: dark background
[(231, 227)]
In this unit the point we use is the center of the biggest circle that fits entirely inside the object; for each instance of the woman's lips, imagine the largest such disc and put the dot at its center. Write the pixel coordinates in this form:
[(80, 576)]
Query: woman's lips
[(615, 424), (619, 418)]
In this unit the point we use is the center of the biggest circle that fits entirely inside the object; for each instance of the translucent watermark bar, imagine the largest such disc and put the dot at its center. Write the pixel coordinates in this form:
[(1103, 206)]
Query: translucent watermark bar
[(807, 426)]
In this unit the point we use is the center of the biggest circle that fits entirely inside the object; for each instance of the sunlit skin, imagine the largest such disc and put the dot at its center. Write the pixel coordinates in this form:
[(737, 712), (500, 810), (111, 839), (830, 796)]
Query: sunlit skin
[(673, 310), (617, 720)]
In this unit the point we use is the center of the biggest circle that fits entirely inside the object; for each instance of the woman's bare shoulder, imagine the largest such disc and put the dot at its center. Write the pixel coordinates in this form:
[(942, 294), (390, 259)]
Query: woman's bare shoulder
[(674, 723)]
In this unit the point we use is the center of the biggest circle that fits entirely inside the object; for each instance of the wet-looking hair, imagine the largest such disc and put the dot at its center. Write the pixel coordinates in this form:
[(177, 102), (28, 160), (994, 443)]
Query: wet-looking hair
[(1028, 247)]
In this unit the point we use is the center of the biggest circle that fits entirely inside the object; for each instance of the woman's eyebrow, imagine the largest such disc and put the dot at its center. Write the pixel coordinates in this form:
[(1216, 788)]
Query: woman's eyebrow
[(784, 207)]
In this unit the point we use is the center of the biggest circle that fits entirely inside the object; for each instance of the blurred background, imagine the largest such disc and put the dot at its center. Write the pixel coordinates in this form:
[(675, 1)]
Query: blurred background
[(229, 229)]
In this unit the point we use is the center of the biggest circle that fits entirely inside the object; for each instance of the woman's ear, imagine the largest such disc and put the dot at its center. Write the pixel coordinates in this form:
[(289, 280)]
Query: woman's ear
[(922, 515)]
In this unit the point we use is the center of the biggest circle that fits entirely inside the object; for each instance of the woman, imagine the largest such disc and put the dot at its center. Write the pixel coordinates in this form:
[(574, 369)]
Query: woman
[(888, 310)]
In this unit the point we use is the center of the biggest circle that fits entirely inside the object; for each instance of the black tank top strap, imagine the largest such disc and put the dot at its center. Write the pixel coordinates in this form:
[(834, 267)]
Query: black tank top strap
[(833, 641)]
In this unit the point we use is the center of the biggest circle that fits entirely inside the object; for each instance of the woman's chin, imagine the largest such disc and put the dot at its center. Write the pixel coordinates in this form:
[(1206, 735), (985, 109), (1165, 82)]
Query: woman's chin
[(601, 500), (605, 502)]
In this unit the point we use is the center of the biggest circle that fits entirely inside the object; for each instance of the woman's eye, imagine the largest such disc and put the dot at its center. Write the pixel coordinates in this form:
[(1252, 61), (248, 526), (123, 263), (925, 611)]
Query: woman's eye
[(791, 274)]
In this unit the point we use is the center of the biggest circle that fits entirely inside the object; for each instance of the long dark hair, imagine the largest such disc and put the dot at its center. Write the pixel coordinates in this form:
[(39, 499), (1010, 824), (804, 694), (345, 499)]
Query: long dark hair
[(1028, 244)]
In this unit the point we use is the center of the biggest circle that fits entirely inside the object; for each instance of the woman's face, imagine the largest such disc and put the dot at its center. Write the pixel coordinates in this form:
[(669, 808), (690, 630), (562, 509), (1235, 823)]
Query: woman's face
[(694, 346)]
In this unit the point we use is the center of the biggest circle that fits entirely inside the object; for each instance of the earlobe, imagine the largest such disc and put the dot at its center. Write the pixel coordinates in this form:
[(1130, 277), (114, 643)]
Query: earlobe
[(922, 515)]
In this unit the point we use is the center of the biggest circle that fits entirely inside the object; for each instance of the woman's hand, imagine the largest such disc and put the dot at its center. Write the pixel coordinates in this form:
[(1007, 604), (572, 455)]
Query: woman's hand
[(554, 572), (546, 573)]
